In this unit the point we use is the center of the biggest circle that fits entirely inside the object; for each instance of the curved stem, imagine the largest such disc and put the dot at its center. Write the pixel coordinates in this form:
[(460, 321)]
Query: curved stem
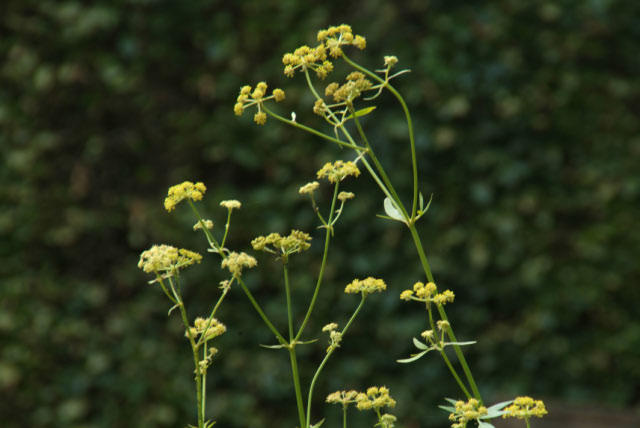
[(322, 266), (326, 358), (311, 130), (414, 162)]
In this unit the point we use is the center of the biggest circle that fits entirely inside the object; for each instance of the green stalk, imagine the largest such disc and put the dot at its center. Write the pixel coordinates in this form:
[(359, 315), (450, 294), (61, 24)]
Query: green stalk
[(378, 165), (414, 162), (288, 293), (344, 416), (326, 358), (322, 266), (455, 374), (311, 130), (296, 384), (443, 315), (226, 229)]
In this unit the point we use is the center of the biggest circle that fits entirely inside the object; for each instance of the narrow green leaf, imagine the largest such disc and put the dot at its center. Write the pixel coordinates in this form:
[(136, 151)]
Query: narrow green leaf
[(391, 210), (413, 357), (484, 425), (362, 112), (318, 424), (460, 343), (448, 409), (171, 310), (421, 346), (500, 406), (273, 346), (451, 400)]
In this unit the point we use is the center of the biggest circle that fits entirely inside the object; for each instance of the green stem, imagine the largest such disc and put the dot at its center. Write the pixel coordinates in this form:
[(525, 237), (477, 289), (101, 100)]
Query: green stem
[(414, 162), (378, 165), (312, 131), (526, 420), (213, 313), (326, 358), (296, 384), (226, 229), (455, 374), (288, 293), (344, 417), (204, 381), (322, 266), (443, 315), (258, 309)]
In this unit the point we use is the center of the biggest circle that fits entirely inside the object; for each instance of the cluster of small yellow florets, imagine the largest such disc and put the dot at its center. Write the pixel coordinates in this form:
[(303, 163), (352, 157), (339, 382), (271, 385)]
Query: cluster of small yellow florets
[(365, 286), (257, 96), (166, 259), (186, 190), (306, 57), (341, 35), (207, 327), (309, 188), (338, 171), (236, 262), (231, 204), (356, 84), (375, 398), (525, 408), (345, 196), (296, 242), (427, 293), (335, 337), (466, 412)]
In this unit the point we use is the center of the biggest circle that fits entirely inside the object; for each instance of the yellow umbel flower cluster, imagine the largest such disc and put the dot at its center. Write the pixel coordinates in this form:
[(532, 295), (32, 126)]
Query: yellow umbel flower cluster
[(345, 196), (305, 58), (166, 259), (335, 337), (338, 171), (342, 397), (466, 412), (231, 204), (356, 84), (249, 97), (365, 286), (309, 188), (341, 35), (427, 293), (375, 398), (296, 242), (236, 262), (525, 408), (207, 224), (208, 327), (186, 190)]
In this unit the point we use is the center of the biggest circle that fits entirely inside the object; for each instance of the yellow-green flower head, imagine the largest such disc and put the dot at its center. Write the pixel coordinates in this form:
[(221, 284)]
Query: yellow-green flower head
[(338, 171), (231, 204), (375, 398), (296, 242), (387, 421), (390, 61), (443, 325), (329, 327), (161, 259), (427, 334), (309, 188), (342, 397), (354, 87), (525, 408), (406, 295), (236, 262), (207, 224), (341, 35), (186, 190), (256, 97), (209, 327), (278, 94), (320, 108), (260, 118), (365, 286), (446, 296), (466, 412), (305, 58), (344, 196)]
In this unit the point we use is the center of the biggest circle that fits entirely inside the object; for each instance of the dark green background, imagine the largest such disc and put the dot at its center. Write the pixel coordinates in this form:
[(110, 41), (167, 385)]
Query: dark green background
[(526, 117)]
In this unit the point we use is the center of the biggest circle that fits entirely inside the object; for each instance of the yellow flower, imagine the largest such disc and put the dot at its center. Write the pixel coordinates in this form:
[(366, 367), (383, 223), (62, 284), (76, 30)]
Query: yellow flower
[(467, 412), (296, 242), (344, 196), (231, 204), (209, 327), (365, 286), (161, 259), (525, 408), (185, 190), (236, 262), (305, 58), (406, 295), (207, 224), (329, 327), (278, 94), (375, 398), (309, 188), (446, 296), (260, 118), (390, 61), (341, 35), (338, 171)]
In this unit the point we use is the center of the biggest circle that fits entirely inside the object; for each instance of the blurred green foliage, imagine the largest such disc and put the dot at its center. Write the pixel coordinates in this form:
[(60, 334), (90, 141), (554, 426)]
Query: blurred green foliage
[(526, 118)]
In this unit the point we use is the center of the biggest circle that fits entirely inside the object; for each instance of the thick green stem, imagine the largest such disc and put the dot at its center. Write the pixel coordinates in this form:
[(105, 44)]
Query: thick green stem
[(288, 294), (455, 374), (322, 266), (326, 358), (344, 417), (296, 384)]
